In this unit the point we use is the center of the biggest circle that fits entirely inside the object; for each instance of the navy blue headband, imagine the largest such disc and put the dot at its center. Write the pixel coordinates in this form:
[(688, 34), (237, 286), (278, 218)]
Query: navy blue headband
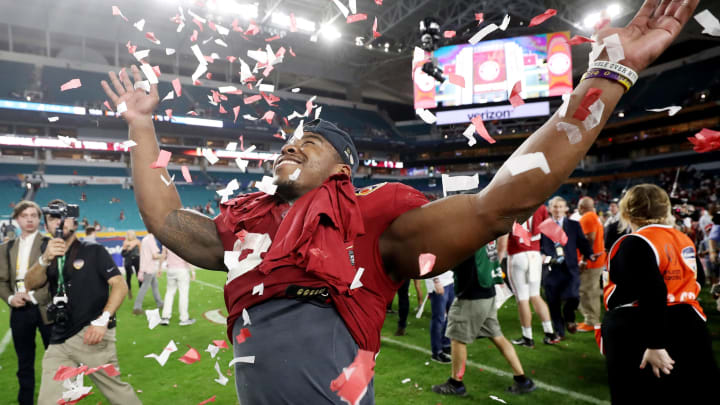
[(339, 139)]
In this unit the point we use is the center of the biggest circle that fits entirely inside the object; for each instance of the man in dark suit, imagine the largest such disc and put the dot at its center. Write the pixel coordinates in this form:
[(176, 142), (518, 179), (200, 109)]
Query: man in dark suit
[(562, 282), (27, 307)]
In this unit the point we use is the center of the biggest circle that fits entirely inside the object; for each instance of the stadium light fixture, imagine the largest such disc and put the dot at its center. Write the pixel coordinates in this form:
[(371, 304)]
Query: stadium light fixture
[(245, 10), (613, 10), (592, 19), (330, 33), (283, 20)]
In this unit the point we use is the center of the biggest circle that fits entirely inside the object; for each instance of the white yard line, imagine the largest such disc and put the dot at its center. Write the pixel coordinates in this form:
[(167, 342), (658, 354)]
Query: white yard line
[(205, 283), (5, 341), (502, 373)]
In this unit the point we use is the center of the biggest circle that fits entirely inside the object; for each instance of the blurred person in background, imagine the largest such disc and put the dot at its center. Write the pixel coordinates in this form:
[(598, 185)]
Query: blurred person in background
[(614, 227), (403, 295), (591, 271), (179, 274), (152, 254), (28, 307), (654, 335), (131, 258), (441, 293), (90, 235)]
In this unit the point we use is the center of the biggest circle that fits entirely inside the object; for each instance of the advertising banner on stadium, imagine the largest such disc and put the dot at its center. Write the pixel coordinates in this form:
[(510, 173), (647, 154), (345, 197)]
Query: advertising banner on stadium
[(501, 112)]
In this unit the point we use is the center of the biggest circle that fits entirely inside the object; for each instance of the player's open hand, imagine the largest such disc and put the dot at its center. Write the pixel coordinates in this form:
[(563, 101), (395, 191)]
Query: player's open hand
[(654, 28), (139, 104), (659, 359), (94, 334)]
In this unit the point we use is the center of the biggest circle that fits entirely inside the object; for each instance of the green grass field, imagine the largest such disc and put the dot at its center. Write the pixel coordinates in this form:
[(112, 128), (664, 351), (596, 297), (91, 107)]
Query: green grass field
[(575, 366)]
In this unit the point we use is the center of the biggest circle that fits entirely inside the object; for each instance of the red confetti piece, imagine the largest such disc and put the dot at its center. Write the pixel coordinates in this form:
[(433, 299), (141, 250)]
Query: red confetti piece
[(479, 17), (242, 144), (271, 99), (253, 29), (198, 23), (197, 83), (456, 79), (211, 399), (107, 105), (552, 230), (162, 159), (293, 23), (268, 116), (222, 110), (279, 135), (186, 174), (579, 39), (209, 59), (191, 356), (72, 84), (351, 384), (376, 34), (177, 87), (151, 36), (705, 141), (522, 233), (208, 75), (252, 99), (356, 17), (378, 2), (110, 370), (272, 38), (267, 71), (515, 97), (449, 34), (291, 52), (541, 18), (221, 343), (131, 48), (231, 58), (65, 372), (236, 110), (156, 70), (243, 335), (168, 112), (211, 25), (583, 109), (481, 130), (193, 113), (194, 36), (241, 236), (427, 261)]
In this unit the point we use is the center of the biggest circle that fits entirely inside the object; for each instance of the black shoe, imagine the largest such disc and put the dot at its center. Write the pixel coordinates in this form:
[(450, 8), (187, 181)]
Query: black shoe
[(400, 332), (572, 327), (447, 350), (551, 339), (441, 358), (524, 388), (523, 341), (448, 388)]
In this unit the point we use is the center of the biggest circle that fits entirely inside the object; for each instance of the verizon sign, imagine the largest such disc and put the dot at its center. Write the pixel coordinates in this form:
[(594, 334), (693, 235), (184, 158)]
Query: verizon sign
[(501, 112)]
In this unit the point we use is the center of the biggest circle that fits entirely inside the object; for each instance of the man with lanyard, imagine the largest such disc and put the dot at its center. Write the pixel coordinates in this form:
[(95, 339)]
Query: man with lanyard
[(313, 236), (27, 307), (84, 328), (473, 315)]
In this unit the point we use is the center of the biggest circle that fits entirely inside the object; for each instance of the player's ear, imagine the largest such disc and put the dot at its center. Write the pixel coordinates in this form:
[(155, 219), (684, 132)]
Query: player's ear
[(344, 169)]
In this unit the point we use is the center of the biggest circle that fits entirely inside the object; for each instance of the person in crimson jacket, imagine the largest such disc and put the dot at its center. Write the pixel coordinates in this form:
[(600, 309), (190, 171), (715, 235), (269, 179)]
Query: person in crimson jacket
[(654, 334), (315, 262), (562, 282)]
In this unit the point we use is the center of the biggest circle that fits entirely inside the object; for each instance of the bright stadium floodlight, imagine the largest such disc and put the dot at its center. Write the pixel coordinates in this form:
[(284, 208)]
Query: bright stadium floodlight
[(591, 20), (245, 10), (280, 19), (613, 10), (330, 33)]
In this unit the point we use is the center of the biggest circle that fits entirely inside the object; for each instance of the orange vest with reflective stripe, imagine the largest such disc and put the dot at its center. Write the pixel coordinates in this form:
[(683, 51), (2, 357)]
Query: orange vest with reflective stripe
[(675, 257)]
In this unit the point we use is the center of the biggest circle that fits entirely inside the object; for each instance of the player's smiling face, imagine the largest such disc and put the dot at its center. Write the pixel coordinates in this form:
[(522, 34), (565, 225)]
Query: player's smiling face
[(312, 159)]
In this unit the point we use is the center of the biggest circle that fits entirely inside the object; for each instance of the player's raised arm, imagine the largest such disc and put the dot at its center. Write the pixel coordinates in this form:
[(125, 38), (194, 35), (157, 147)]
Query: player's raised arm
[(192, 235), (453, 228)]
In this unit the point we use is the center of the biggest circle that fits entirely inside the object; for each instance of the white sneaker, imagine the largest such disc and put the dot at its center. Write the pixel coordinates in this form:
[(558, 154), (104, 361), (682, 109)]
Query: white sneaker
[(165, 321), (187, 322)]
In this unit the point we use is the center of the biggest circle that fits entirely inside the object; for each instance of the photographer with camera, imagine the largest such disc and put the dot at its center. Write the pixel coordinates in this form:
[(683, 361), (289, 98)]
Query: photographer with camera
[(82, 307)]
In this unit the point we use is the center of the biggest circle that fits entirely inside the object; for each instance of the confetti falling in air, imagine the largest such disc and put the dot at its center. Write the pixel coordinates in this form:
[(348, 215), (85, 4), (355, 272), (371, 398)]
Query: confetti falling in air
[(162, 160), (479, 125), (109, 369), (65, 372), (186, 174), (709, 22), (553, 231), (521, 233), (541, 18), (243, 335), (427, 262), (426, 116), (706, 140), (515, 98), (448, 34), (72, 84), (579, 39), (220, 343), (671, 110)]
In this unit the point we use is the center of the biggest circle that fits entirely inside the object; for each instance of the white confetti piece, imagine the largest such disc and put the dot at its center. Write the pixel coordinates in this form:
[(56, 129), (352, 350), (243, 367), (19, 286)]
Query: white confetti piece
[(271, 58), (317, 112), (299, 130), (153, 317), (142, 84), (140, 55), (246, 317), (245, 72), (562, 110), (242, 164), (344, 10), (169, 96), (258, 289), (485, 31), (352, 5), (213, 350), (294, 176), (459, 183), (596, 110), (197, 17), (493, 397), (595, 51), (229, 190), (242, 359), (149, 73), (222, 30), (469, 133), (231, 146), (139, 25), (709, 22), (221, 43), (198, 54), (572, 131), (53, 119), (266, 185), (295, 90), (294, 115), (169, 51), (259, 56), (121, 108), (227, 89), (210, 156), (672, 110), (506, 21), (405, 381), (74, 388), (201, 69), (614, 48), (167, 182), (250, 117), (128, 144), (266, 88), (222, 380), (426, 116), (521, 164), (356, 283)]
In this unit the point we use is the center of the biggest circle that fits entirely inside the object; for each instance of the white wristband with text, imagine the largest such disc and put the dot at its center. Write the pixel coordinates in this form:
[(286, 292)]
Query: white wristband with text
[(103, 320), (617, 68)]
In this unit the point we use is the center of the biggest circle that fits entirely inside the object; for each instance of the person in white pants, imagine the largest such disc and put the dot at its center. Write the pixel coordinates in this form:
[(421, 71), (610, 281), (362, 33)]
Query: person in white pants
[(178, 280)]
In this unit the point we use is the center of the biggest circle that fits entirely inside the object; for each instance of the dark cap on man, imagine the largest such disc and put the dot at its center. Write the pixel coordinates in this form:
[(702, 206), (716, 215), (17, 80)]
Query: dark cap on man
[(339, 139)]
